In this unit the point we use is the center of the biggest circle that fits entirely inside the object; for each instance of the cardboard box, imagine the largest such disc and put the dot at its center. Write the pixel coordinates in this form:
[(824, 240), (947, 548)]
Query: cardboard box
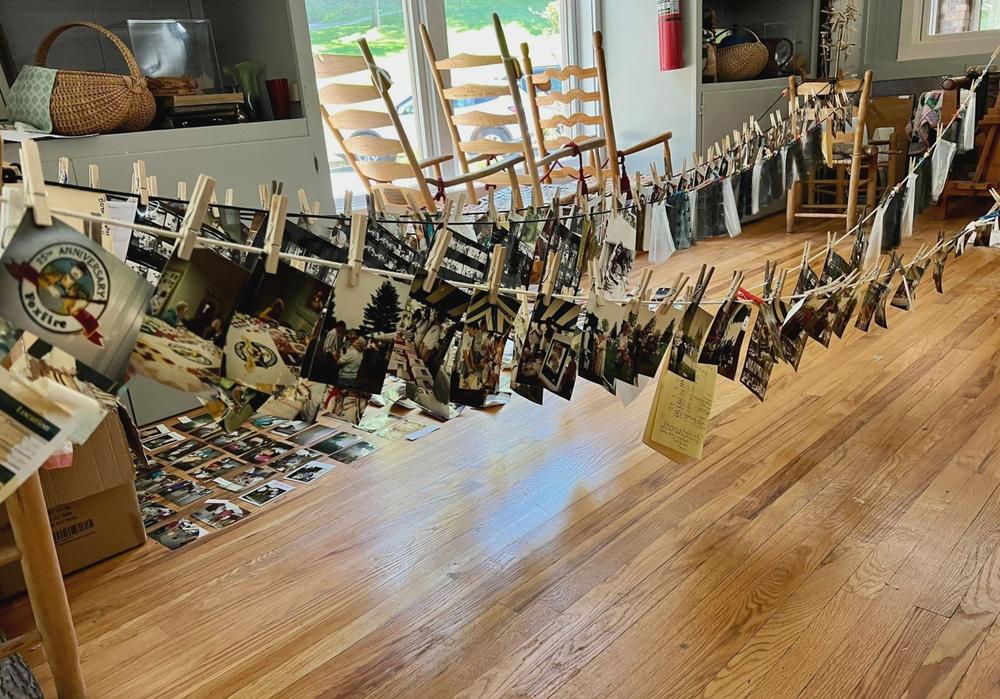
[(93, 507)]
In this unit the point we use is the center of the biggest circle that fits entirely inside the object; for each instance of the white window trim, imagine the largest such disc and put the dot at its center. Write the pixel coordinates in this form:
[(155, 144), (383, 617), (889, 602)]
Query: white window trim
[(916, 42)]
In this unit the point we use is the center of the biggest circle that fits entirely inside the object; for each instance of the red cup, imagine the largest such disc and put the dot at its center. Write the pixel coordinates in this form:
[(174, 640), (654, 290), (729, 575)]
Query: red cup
[(281, 103)]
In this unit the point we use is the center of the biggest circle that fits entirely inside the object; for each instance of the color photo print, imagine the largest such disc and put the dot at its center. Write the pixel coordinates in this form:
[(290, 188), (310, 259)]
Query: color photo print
[(480, 348), (275, 319), (356, 339), (68, 292), (602, 337), (182, 336), (551, 348)]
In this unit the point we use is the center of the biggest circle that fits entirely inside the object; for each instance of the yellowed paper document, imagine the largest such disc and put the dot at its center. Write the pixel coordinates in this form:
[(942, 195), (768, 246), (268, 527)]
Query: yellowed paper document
[(678, 418)]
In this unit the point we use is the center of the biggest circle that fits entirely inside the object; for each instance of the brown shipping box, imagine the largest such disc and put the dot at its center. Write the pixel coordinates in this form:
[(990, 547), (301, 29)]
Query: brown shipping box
[(92, 506)]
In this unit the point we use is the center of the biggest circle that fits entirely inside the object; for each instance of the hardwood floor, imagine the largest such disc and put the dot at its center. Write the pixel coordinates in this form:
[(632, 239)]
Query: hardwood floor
[(842, 539)]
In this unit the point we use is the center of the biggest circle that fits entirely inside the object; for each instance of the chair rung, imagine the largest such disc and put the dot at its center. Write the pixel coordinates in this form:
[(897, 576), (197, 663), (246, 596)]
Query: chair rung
[(20, 643), (9, 554)]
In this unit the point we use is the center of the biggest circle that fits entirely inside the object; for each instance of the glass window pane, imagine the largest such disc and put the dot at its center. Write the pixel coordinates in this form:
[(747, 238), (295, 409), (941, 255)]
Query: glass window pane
[(470, 30), (334, 28)]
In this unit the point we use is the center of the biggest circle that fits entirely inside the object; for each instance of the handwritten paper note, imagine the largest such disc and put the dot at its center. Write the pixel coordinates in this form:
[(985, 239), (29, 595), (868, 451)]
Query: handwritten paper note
[(678, 420)]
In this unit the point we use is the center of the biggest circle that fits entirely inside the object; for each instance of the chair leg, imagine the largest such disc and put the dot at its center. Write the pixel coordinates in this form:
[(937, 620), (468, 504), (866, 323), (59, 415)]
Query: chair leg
[(792, 206)]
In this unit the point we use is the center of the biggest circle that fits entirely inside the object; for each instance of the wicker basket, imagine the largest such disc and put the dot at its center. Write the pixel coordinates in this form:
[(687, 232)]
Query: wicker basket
[(741, 61), (87, 103)]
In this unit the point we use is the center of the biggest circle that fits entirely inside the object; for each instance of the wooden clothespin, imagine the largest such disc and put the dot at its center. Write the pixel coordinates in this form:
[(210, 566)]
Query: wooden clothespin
[(806, 248), (641, 289), (348, 202), (36, 195), (595, 283), (214, 200), (182, 191), (229, 197), (551, 272), (304, 208), (436, 256), (735, 285), (495, 276), (491, 204), (675, 292), (265, 196), (153, 186), (95, 176), (140, 184), (194, 216), (656, 174), (63, 174), (275, 232), (356, 247)]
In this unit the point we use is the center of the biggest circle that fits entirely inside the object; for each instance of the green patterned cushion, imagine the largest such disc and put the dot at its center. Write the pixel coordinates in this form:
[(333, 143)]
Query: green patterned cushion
[(30, 97)]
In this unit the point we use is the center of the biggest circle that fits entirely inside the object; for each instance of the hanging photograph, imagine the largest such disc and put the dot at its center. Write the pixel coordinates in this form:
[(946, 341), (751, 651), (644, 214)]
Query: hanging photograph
[(69, 292), (759, 361), (617, 257), (480, 348), (602, 329), (180, 344), (551, 348), (356, 339), (274, 321)]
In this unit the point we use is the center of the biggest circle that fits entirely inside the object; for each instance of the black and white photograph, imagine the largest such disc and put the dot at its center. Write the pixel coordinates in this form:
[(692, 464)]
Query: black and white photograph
[(266, 493), (176, 451), (161, 439), (177, 534), (187, 424), (336, 442), (293, 459), (184, 493), (551, 349), (289, 427), (310, 472), (219, 514), (617, 257), (759, 362), (206, 432), (688, 340), (427, 326), (275, 318), (148, 433), (67, 291), (224, 440), (355, 341), (727, 355), (312, 434), (481, 343), (248, 478), (154, 513), (182, 336), (354, 451)]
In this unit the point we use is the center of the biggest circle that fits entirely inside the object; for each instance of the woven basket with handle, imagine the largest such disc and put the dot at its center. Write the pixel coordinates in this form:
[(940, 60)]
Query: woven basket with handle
[(741, 61), (86, 103)]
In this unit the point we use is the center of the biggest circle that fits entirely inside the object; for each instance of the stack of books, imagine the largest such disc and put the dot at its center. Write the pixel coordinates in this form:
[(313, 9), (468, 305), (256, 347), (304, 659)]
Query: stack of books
[(183, 111)]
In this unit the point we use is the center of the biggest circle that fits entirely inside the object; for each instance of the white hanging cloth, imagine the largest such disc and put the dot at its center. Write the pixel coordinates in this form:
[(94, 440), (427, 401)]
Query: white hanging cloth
[(967, 135), (906, 219), (874, 247), (729, 209), (661, 240), (755, 188), (944, 154)]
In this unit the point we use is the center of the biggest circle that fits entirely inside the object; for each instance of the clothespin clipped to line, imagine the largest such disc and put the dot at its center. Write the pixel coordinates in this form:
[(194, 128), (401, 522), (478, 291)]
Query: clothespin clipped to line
[(436, 257), (36, 195), (595, 283), (182, 191), (140, 183), (214, 201), (265, 196), (348, 202), (495, 276), (675, 292), (275, 232), (356, 247), (304, 207), (94, 173), (492, 205), (806, 249), (63, 174), (639, 297), (153, 186), (551, 272), (194, 216), (229, 197)]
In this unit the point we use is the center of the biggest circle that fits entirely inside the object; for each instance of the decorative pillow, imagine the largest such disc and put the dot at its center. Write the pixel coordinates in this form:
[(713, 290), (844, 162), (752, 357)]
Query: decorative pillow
[(30, 97)]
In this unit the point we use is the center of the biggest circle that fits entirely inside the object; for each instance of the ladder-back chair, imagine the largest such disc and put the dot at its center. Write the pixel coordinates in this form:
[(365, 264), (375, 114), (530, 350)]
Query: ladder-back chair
[(589, 85), (859, 157), (471, 150)]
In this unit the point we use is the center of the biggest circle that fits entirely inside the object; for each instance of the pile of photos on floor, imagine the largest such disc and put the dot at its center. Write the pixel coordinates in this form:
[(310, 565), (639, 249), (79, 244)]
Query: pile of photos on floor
[(193, 478), (304, 339)]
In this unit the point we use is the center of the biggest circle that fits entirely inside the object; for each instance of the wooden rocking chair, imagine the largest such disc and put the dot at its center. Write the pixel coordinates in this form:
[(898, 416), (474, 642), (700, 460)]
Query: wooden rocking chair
[(542, 92)]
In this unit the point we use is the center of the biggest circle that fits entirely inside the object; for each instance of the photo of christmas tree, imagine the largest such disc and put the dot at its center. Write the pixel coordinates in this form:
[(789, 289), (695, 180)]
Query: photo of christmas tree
[(354, 343)]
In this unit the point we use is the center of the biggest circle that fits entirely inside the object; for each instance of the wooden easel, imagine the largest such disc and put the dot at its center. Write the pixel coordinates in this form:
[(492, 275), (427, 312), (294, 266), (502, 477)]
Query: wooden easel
[(987, 173)]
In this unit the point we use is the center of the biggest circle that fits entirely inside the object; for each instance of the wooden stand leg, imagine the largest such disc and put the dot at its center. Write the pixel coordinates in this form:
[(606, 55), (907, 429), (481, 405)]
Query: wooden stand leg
[(792, 205), (33, 537)]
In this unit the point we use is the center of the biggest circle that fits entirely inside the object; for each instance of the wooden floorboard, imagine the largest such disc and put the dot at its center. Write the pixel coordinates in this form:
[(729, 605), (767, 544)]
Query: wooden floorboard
[(842, 539)]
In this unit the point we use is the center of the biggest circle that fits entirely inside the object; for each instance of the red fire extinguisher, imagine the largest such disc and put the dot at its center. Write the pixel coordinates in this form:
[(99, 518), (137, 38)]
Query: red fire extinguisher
[(671, 34)]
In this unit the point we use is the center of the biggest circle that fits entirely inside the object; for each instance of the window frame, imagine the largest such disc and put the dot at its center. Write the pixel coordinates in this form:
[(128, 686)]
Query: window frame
[(917, 42)]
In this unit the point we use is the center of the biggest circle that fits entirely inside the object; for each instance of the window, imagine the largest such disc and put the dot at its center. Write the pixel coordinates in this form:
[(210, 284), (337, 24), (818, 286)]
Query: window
[(336, 25), (948, 28)]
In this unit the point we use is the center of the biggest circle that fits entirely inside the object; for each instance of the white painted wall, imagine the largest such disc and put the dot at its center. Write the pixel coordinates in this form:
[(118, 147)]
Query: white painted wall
[(645, 100)]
